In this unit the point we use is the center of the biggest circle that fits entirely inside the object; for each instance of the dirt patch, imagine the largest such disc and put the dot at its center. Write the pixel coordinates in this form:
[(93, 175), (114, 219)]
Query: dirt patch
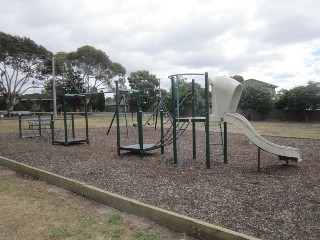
[(280, 202)]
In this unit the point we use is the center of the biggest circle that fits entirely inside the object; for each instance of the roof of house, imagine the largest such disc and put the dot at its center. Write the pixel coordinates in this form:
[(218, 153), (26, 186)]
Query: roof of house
[(36, 96), (254, 81)]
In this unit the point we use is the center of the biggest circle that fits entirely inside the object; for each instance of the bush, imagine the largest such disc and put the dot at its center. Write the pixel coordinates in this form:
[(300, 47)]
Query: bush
[(19, 107), (256, 98)]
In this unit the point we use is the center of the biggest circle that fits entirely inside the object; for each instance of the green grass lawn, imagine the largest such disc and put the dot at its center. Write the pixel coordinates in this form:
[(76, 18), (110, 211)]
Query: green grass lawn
[(29, 210), (276, 128)]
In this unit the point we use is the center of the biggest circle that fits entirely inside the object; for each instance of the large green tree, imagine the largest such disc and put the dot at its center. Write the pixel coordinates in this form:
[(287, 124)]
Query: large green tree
[(23, 64), (256, 98), (148, 85), (301, 97), (72, 103), (100, 102), (185, 99), (85, 70), (94, 68)]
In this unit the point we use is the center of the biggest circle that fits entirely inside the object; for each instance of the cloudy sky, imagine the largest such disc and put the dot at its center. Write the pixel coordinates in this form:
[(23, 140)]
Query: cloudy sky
[(276, 41)]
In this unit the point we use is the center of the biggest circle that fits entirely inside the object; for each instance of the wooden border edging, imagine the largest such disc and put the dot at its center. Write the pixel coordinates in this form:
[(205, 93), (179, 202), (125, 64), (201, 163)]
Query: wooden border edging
[(193, 227)]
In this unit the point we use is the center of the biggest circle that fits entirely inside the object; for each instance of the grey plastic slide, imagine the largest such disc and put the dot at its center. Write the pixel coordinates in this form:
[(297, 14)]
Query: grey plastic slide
[(244, 125)]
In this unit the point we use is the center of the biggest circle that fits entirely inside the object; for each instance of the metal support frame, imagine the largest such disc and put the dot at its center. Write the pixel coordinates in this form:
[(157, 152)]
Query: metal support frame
[(39, 123), (66, 141), (140, 133), (207, 130), (39, 126), (175, 116), (162, 131), (225, 142), (259, 157), (174, 121), (20, 126), (86, 118), (52, 128), (194, 143), (117, 116)]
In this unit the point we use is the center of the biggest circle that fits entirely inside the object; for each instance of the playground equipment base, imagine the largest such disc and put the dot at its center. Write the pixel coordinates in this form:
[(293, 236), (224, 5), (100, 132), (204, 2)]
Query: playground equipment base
[(136, 147), (70, 141)]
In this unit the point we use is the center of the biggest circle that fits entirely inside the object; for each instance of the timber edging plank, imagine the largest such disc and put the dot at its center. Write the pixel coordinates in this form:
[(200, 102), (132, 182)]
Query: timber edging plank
[(193, 227)]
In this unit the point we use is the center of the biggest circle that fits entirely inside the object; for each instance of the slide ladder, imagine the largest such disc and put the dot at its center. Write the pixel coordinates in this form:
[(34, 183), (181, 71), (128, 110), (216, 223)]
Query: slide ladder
[(216, 141)]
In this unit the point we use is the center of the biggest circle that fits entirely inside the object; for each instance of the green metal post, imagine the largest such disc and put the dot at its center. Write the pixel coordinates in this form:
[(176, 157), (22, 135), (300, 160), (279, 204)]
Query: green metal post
[(259, 150), (174, 121), (39, 121), (162, 131), (125, 114), (20, 125), (207, 121), (157, 111), (86, 118), (194, 144), (114, 115), (225, 142), (138, 100), (140, 132), (72, 126), (117, 116), (65, 119), (52, 129)]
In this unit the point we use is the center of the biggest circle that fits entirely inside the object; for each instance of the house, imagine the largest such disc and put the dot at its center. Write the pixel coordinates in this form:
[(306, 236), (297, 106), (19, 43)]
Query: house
[(111, 106), (37, 102), (271, 87)]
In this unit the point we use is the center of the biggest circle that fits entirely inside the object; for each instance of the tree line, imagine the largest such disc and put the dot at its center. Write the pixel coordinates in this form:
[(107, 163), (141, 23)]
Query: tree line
[(24, 64), (259, 99)]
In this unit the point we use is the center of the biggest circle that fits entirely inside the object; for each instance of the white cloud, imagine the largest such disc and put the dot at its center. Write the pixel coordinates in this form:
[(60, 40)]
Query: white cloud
[(272, 41)]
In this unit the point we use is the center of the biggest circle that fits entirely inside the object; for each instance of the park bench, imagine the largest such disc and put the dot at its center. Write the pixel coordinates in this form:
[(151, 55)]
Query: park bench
[(39, 123)]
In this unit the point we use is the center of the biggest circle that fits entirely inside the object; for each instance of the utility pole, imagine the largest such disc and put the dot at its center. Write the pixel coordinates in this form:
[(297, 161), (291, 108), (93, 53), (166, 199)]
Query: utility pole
[(54, 94)]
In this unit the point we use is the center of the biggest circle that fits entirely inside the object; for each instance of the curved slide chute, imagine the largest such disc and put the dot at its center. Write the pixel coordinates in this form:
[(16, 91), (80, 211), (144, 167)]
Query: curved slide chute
[(284, 153)]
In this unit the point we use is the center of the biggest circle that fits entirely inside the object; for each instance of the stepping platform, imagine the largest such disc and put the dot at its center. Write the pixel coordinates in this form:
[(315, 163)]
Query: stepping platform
[(136, 147), (71, 141), (191, 119)]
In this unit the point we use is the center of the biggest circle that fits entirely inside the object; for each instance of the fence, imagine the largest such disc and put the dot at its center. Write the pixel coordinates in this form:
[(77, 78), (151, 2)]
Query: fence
[(284, 115)]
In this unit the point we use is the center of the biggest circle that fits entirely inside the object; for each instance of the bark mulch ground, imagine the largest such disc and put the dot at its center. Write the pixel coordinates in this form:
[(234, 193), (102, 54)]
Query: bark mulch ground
[(280, 202)]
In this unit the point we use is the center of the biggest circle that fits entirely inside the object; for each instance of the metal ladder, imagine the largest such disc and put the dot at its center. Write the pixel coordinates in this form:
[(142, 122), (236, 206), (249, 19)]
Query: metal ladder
[(216, 142)]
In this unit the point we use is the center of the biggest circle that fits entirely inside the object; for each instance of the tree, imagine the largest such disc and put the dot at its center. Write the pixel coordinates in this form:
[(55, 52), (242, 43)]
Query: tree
[(148, 84), (23, 64), (61, 88), (238, 78), (93, 67), (85, 70), (301, 98), (256, 98), (2, 103), (100, 102), (185, 99)]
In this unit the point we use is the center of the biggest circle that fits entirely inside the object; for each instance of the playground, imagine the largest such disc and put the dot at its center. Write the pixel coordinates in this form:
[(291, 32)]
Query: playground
[(228, 178), (280, 202)]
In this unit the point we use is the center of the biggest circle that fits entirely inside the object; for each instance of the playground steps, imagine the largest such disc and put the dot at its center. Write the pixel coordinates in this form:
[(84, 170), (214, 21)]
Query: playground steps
[(216, 142)]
